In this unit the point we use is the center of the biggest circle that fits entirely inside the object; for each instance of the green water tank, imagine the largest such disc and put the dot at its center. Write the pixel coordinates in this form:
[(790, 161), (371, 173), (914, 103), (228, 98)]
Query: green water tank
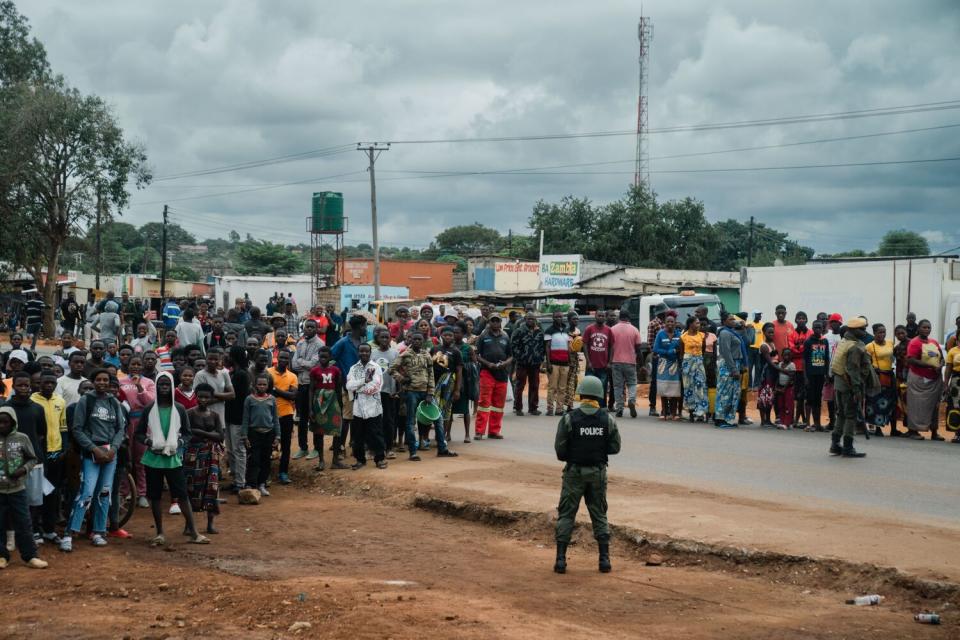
[(327, 212)]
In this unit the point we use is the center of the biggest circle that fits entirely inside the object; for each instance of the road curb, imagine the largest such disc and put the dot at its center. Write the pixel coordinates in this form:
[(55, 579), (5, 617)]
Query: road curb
[(801, 570)]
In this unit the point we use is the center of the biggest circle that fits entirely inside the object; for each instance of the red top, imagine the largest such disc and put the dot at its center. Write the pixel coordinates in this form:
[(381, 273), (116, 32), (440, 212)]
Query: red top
[(324, 377), (188, 402), (795, 342), (598, 344), (781, 335), (916, 350)]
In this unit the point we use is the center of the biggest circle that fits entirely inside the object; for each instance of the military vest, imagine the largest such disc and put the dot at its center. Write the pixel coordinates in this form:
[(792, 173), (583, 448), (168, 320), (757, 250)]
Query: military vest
[(589, 436), (838, 363)]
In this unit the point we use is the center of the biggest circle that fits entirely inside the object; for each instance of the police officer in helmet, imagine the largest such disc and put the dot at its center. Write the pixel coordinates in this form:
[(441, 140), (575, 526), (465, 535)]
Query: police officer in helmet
[(585, 437)]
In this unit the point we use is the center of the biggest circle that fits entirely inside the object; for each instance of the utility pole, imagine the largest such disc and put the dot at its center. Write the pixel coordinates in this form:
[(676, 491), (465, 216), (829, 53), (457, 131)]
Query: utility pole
[(97, 259), (750, 244), (373, 150), (163, 259)]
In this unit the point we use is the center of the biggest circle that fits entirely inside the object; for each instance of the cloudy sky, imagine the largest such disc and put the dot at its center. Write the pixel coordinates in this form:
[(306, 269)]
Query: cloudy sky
[(211, 84)]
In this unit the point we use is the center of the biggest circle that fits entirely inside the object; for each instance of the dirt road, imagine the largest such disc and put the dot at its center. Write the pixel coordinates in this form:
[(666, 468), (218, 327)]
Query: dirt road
[(352, 561)]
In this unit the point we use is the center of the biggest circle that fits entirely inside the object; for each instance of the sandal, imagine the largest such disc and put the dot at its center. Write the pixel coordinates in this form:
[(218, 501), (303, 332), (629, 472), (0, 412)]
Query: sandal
[(810, 429), (381, 465), (664, 417), (937, 438), (158, 541), (915, 436), (200, 539)]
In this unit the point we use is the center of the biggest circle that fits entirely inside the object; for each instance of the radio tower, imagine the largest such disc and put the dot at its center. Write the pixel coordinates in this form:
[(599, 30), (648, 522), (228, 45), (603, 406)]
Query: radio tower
[(642, 171)]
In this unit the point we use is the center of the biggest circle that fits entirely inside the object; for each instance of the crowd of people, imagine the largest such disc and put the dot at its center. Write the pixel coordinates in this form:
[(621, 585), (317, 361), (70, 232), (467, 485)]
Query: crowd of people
[(204, 394)]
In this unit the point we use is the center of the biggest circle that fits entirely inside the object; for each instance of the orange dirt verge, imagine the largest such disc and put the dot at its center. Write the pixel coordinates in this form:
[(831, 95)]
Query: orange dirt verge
[(330, 553)]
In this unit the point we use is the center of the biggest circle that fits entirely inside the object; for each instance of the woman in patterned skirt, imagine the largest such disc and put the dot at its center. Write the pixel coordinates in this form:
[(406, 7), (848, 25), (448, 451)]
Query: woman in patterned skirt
[(769, 374), (573, 369), (879, 408)]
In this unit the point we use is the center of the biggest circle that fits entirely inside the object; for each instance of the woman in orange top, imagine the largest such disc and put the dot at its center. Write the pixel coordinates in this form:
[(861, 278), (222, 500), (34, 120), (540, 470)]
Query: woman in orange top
[(694, 374)]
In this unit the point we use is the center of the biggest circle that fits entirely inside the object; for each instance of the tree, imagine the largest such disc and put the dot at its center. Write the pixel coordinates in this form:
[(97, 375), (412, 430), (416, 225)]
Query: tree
[(263, 257), (459, 261), (183, 272), (731, 238), (900, 242), (64, 154), (569, 226), (467, 239), (22, 58), (152, 237), (638, 230)]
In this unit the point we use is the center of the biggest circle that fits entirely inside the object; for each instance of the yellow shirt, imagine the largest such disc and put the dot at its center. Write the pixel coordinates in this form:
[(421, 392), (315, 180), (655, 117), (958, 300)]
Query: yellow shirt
[(55, 410), (881, 356), (692, 344), (953, 359), (758, 339), (286, 381)]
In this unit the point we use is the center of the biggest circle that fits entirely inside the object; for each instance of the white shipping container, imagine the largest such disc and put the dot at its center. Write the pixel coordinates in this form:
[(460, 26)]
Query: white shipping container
[(882, 290)]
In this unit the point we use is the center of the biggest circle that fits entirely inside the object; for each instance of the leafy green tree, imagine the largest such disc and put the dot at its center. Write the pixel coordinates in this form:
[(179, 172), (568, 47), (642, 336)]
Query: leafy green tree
[(263, 257), (62, 154), (23, 59), (459, 261), (183, 272), (731, 238), (569, 225), (467, 239), (900, 242)]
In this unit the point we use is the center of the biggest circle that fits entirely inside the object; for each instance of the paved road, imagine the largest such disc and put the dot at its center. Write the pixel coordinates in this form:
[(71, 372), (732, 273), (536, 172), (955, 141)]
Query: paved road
[(900, 478)]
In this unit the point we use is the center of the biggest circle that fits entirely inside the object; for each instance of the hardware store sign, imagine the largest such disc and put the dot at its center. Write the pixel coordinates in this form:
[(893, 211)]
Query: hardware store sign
[(560, 271)]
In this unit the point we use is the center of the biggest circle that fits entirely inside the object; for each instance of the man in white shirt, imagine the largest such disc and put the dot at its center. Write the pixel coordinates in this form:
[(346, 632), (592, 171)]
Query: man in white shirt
[(364, 381)]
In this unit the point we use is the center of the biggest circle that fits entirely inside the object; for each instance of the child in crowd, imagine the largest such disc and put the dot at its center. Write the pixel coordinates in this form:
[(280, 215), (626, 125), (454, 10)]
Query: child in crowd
[(259, 429), (202, 459), (785, 387), (326, 386), (17, 459)]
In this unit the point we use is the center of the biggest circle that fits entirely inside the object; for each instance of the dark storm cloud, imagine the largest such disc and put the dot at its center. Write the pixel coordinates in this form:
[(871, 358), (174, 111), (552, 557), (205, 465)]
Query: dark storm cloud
[(216, 83)]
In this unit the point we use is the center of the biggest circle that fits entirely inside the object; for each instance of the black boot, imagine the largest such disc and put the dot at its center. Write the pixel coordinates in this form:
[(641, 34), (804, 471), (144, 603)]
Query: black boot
[(560, 566), (835, 449), (849, 451), (605, 557)]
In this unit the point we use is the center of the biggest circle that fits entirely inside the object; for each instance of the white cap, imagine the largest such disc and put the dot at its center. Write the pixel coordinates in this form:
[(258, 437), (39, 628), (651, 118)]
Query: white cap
[(20, 355)]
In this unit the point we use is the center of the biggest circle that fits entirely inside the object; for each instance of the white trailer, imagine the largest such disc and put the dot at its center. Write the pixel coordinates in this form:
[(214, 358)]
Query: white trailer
[(883, 290)]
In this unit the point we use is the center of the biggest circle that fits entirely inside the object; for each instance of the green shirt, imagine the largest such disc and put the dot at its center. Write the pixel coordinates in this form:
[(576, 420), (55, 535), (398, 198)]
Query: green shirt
[(158, 460)]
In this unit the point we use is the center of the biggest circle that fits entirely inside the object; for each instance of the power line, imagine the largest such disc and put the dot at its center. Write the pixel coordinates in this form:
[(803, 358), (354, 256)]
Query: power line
[(228, 193), (821, 117), (251, 164), (535, 172), (343, 148), (613, 162)]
